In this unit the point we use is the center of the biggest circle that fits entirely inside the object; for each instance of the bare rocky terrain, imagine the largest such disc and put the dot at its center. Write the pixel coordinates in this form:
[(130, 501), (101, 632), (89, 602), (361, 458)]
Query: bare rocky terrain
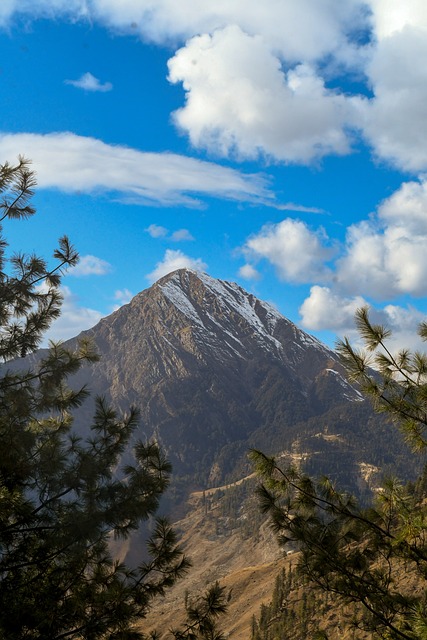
[(247, 567)]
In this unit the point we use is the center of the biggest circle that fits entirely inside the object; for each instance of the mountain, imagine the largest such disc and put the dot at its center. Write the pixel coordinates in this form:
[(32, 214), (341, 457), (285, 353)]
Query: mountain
[(215, 371)]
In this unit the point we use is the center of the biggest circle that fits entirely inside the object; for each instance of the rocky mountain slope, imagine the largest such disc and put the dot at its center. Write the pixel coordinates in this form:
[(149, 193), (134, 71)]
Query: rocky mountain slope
[(216, 371)]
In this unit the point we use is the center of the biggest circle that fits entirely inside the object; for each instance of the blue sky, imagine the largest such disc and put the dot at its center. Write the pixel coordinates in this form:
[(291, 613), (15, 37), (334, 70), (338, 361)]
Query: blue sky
[(281, 144)]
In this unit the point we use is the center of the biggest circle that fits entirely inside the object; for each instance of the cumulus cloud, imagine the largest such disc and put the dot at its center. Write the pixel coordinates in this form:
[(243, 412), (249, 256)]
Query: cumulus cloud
[(383, 263), (243, 59), (90, 266), (390, 16), (88, 82), (382, 257), (298, 35), (404, 322), (233, 80), (395, 118), (407, 206), (173, 260), (156, 231), (325, 309), (181, 235), (323, 27), (298, 253), (73, 319), (81, 164), (385, 256), (248, 272)]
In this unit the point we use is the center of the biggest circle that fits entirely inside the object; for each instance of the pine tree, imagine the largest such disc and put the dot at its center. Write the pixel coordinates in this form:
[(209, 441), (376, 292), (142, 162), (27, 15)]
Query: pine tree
[(372, 559), (63, 498), (202, 615)]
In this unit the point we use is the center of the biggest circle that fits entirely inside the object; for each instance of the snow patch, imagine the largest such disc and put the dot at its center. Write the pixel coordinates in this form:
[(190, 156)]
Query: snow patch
[(180, 301), (260, 317), (231, 296), (346, 385)]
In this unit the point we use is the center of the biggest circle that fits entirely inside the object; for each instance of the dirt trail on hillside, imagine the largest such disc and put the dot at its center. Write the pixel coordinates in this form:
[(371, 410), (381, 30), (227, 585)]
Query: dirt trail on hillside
[(213, 490)]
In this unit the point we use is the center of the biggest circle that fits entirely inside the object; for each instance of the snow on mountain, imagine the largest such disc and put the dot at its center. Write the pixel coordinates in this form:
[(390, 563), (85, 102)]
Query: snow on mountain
[(222, 307)]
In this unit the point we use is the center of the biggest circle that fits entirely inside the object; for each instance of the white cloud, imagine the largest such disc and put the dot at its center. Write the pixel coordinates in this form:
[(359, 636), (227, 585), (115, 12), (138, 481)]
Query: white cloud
[(299, 254), (156, 231), (88, 82), (395, 119), (386, 255), (325, 309), (173, 260), (292, 206), (248, 272), (90, 266), (232, 80), (53, 9), (404, 324), (79, 164), (407, 206), (73, 319), (181, 235), (248, 44), (382, 257), (391, 16), (246, 58), (297, 28), (7, 8), (123, 296)]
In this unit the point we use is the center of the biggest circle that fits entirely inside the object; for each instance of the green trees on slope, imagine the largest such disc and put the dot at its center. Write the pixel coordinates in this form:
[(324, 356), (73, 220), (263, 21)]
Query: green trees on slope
[(62, 497), (293, 612), (373, 559)]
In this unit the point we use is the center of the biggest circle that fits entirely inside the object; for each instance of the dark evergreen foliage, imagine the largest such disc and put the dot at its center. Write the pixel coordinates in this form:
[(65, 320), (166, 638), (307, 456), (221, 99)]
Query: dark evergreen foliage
[(374, 558), (293, 613), (202, 615), (64, 498)]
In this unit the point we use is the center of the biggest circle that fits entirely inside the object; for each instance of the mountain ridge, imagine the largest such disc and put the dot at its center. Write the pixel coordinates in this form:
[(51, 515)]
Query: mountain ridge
[(215, 371)]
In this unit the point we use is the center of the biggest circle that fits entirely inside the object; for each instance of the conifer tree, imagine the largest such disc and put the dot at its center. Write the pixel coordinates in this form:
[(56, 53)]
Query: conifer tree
[(202, 616), (63, 497), (373, 559)]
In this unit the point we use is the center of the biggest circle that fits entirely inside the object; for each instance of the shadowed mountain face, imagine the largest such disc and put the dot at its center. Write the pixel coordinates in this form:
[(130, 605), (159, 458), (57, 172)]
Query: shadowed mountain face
[(216, 371)]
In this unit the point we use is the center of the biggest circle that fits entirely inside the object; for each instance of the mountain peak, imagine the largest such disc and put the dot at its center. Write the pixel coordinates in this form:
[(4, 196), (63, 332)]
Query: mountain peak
[(213, 306), (211, 365)]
